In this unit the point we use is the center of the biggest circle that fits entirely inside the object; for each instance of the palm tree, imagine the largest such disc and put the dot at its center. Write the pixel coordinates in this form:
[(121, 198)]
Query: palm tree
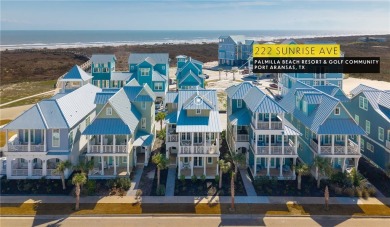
[(232, 190), (323, 168), (78, 180), (162, 163), (60, 169), (224, 167), (302, 169), (220, 72), (160, 117), (238, 159), (84, 167)]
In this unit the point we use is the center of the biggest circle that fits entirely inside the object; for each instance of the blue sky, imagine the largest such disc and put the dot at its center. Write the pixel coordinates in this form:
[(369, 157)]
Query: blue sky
[(351, 15)]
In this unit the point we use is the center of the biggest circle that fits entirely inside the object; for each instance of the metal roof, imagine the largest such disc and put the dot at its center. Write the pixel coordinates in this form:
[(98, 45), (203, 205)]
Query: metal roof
[(30, 119), (188, 62), (334, 91), (121, 76), (156, 76), (143, 139), (241, 117), (171, 97), (107, 126), (340, 127), (268, 105), (158, 58), (103, 97), (76, 74), (258, 102), (52, 114), (238, 91), (290, 130), (171, 118), (103, 58), (190, 73), (199, 101), (312, 98)]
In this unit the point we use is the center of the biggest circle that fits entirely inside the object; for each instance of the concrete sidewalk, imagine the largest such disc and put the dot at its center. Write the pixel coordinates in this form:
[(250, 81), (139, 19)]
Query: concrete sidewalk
[(250, 190), (135, 182), (192, 199), (170, 187)]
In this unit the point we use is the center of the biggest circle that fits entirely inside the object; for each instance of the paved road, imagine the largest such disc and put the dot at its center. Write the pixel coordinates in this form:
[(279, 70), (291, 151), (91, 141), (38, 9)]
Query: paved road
[(196, 221)]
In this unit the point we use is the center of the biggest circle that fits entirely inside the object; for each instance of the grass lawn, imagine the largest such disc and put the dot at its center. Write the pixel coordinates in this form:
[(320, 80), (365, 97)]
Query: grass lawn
[(28, 101)]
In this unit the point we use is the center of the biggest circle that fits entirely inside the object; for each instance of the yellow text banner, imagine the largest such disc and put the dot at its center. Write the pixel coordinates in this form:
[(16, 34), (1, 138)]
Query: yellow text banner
[(296, 50)]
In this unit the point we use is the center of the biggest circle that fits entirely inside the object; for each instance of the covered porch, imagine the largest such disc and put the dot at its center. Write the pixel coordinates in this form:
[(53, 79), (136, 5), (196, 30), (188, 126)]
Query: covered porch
[(106, 166), (142, 148), (198, 166), (274, 166)]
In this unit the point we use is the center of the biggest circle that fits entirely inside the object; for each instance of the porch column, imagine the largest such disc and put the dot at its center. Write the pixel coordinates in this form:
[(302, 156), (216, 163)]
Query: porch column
[(88, 144), (255, 166), (268, 165), (319, 143), (6, 140), (255, 145), (102, 161), (269, 144), (29, 141), (9, 167), (235, 133), (356, 163), (269, 120), (218, 170), (101, 143), (192, 166), (296, 144), (343, 166), (204, 166), (346, 144), (204, 143), (256, 120), (217, 143), (29, 165), (192, 143), (358, 140), (44, 140), (282, 121), (282, 143), (128, 164), (332, 144), (114, 157), (281, 167), (113, 144), (44, 167)]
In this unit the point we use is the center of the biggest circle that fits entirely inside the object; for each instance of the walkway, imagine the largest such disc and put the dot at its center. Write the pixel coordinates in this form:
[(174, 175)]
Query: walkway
[(170, 188), (31, 96), (135, 181), (250, 190)]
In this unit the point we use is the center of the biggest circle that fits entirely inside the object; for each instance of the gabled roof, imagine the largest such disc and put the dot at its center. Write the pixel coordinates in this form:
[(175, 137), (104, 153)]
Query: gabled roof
[(360, 88), (238, 91), (143, 139), (171, 97), (103, 97), (171, 118), (238, 38), (103, 58), (241, 117), (190, 73), (156, 76), (134, 92), (156, 58), (63, 112), (334, 91), (107, 126), (258, 102), (289, 41), (121, 76), (198, 68), (198, 101), (76, 74)]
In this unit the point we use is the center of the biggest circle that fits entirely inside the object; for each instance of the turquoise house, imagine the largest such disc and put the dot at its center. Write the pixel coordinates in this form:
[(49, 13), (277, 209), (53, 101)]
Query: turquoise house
[(151, 69), (189, 73)]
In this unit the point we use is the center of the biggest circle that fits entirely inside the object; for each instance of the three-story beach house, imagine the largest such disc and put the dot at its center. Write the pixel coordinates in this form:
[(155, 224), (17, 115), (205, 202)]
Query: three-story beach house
[(104, 72), (151, 69), (122, 134), (234, 50), (371, 109), (326, 127), (47, 133), (189, 73), (256, 126), (193, 132)]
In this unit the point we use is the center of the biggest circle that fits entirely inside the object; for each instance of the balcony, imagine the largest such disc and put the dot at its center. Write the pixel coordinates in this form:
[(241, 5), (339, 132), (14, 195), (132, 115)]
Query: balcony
[(275, 125), (199, 149), (275, 149), (24, 148), (242, 138), (338, 149), (172, 138), (107, 149), (108, 144)]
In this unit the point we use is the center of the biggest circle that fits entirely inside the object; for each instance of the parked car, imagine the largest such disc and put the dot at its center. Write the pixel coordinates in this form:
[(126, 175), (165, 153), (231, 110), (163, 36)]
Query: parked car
[(255, 82), (206, 76), (245, 71), (275, 86)]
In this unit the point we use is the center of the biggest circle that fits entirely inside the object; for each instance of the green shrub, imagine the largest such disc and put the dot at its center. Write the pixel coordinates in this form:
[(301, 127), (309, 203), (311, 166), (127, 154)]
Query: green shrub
[(371, 191), (338, 190), (203, 178), (261, 181), (358, 192), (123, 183), (183, 179), (160, 191), (194, 178), (90, 187), (216, 179), (365, 193), (349, 191)]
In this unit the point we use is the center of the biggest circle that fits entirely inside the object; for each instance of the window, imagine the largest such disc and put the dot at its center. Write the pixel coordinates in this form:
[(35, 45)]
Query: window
[(185, 160), (368, 127), (381, 134), (56, 138), (339, 138), (370, 147), (337, 111), (124, 159), (87, 121), (363, 103), (143, 105), (357, 118), (96, 70), (198, 111), (186, 136), (239, 103), (105, 70), (297, 101), (144, 71), (132, 67), (198, 161), (209, 160), (108, 111), (306, 133), (158, 86), (32, 136), (143, 123), (361, 144), (71, 138)]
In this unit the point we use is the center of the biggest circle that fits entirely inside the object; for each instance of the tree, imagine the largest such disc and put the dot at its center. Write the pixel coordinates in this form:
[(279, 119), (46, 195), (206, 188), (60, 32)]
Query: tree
[(60, 169), (160, 117), (78, 180), (220, 72), (84, 167), (323, 168), (224, 167), (232, 190), (162, 163), (302, 169), (238, 159)]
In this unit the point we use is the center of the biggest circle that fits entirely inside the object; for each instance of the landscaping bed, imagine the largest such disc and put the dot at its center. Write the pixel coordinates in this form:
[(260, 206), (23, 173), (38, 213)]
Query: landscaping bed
[(376, 176), (36, 187)]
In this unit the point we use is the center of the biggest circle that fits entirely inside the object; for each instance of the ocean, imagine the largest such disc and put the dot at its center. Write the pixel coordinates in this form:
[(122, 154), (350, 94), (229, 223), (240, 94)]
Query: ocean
[(27, 39)]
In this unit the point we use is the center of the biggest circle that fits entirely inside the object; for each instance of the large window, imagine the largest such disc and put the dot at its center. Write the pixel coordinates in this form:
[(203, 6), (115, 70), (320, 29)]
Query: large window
[(368, 127), (144, 71), (357, 118), (239, 103), (158, 86), (186, 136), (363, 103), (381, 134), (198, 161), (32, 136), (56, 138)]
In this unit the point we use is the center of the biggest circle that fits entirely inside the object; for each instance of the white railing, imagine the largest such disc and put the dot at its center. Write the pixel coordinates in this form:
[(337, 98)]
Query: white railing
[(275, 150), (265, 125), (172, 138), (107, 149), (19, 172), (262, 125), (198, 149), (51, 172), (388, 144), (352, 148), (242, 138), (37, 172), (24, 148)]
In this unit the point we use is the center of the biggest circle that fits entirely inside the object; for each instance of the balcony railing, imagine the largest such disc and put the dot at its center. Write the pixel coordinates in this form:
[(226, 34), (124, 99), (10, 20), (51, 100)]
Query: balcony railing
[(51, 172), (37, 172), (242, 138), (198, 150), (19, 172), (173, 138), (24, 148), (107, 149), (275, 150), (352, 148), (274, 125)]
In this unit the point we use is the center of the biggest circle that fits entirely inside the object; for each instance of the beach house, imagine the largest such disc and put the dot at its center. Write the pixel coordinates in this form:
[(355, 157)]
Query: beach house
[(48, 133), (189, 73), (75, 78), (371, 109), (234, 50), (325, 124), (256, 127), (104, 72), (151, 69), (193, 132), (122, 133)]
